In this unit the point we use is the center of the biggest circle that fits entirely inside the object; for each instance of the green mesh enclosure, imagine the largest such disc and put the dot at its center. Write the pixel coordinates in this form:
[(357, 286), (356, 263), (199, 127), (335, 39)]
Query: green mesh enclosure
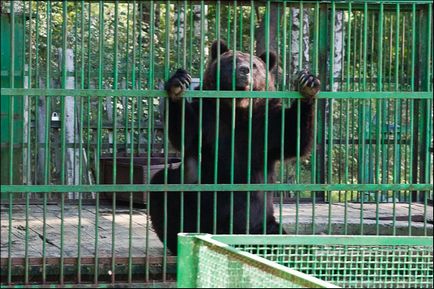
[(357, 266), (217, 269), (351, 262)]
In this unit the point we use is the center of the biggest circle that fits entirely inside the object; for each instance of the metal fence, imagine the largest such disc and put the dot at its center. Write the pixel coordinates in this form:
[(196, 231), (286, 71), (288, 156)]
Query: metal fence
[(85, 122)]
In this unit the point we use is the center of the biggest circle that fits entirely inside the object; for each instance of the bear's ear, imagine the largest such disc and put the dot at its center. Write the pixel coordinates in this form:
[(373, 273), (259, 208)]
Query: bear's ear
[(272, 60), (214, 50)]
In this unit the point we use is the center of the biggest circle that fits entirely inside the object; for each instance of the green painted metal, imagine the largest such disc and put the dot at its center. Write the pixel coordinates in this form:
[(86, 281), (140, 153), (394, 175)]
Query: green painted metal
[(203, 253), (373, 140), (188, 261), (238, 254), (218, 187), (12, 63), (218, 94)]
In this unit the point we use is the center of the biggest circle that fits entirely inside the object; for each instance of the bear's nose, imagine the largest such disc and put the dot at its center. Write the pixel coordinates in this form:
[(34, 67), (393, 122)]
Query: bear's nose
[(244, 69)]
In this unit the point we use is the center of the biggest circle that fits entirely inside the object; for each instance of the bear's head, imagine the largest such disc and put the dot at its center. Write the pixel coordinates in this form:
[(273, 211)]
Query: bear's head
[(246, 75)]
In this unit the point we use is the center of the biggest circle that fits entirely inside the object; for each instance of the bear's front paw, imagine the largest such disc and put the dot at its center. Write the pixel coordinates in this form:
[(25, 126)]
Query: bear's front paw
[(177, 84), (307, 84)]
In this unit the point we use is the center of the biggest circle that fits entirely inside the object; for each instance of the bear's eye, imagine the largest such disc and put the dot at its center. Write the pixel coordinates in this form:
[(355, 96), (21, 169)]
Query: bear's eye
[(254, 65)]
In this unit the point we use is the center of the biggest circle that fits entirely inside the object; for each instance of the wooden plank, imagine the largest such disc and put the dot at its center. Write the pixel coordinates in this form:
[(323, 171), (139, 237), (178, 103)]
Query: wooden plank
[(140, 230)]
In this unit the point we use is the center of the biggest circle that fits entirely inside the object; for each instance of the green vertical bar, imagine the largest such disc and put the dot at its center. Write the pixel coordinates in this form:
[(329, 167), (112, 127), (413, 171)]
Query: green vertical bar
[(372, 65), (190, 49), (428, 109), (28, 158), (181, 229), (282, 133), (184, 64), (353, 101), (140, 68), (127, 50), (321, 115), (115, 100), (201, 73), (330, 126), (149, 140), (363, 155), (386, 104), (249, 133), (139, 80), (399, 42), (133, 62), (267, 48), (46, 143), (126, 77), (75, 57), (380, 107), (396, 166), (240, 29), (37, 77), (99, 133), (218, 13), (278, 45), (178, 24), (347, 119), (378, 133), (133, 85), (391, 51), (130, 211), (404, 44), (63, 138), (356, 25), (166, 134), (411, 112), (11, 137), (184, 38), (88, 73), (232, 170), (228, 27), (377, 163), (297, 158), (80, 168), (315, 121)]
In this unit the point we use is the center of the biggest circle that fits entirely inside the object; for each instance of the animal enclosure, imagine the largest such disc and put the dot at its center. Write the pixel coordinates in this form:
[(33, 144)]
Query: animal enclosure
[(85, 126)]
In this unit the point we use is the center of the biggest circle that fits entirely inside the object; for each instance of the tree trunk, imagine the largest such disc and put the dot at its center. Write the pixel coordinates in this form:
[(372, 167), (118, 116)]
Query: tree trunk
[(179, 29), (40, 129), (296, 38), (196, 19), (260, 31), (71, 125)]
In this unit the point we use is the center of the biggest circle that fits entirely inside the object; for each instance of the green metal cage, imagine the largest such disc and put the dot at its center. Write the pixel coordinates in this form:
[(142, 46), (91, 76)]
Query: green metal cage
[(234, 261)]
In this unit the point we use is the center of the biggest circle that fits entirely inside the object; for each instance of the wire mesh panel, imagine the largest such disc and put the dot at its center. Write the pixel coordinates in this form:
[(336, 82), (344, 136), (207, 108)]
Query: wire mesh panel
[(218, 270), (348, 262), (206, 263), (357, 266)]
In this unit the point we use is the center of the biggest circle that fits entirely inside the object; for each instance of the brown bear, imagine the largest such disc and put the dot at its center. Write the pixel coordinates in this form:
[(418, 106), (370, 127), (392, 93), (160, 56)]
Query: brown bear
[(229, 212)]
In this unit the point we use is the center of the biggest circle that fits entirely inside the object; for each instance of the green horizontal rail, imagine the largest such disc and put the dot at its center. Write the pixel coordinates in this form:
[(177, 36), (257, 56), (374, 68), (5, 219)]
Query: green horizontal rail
[(324, 240), (216, 94), (213, 187), (100, 285), (368, 1)]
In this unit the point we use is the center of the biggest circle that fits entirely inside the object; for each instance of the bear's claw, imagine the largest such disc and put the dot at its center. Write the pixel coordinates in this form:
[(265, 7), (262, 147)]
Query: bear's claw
[(307, 84), (178, 83)]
